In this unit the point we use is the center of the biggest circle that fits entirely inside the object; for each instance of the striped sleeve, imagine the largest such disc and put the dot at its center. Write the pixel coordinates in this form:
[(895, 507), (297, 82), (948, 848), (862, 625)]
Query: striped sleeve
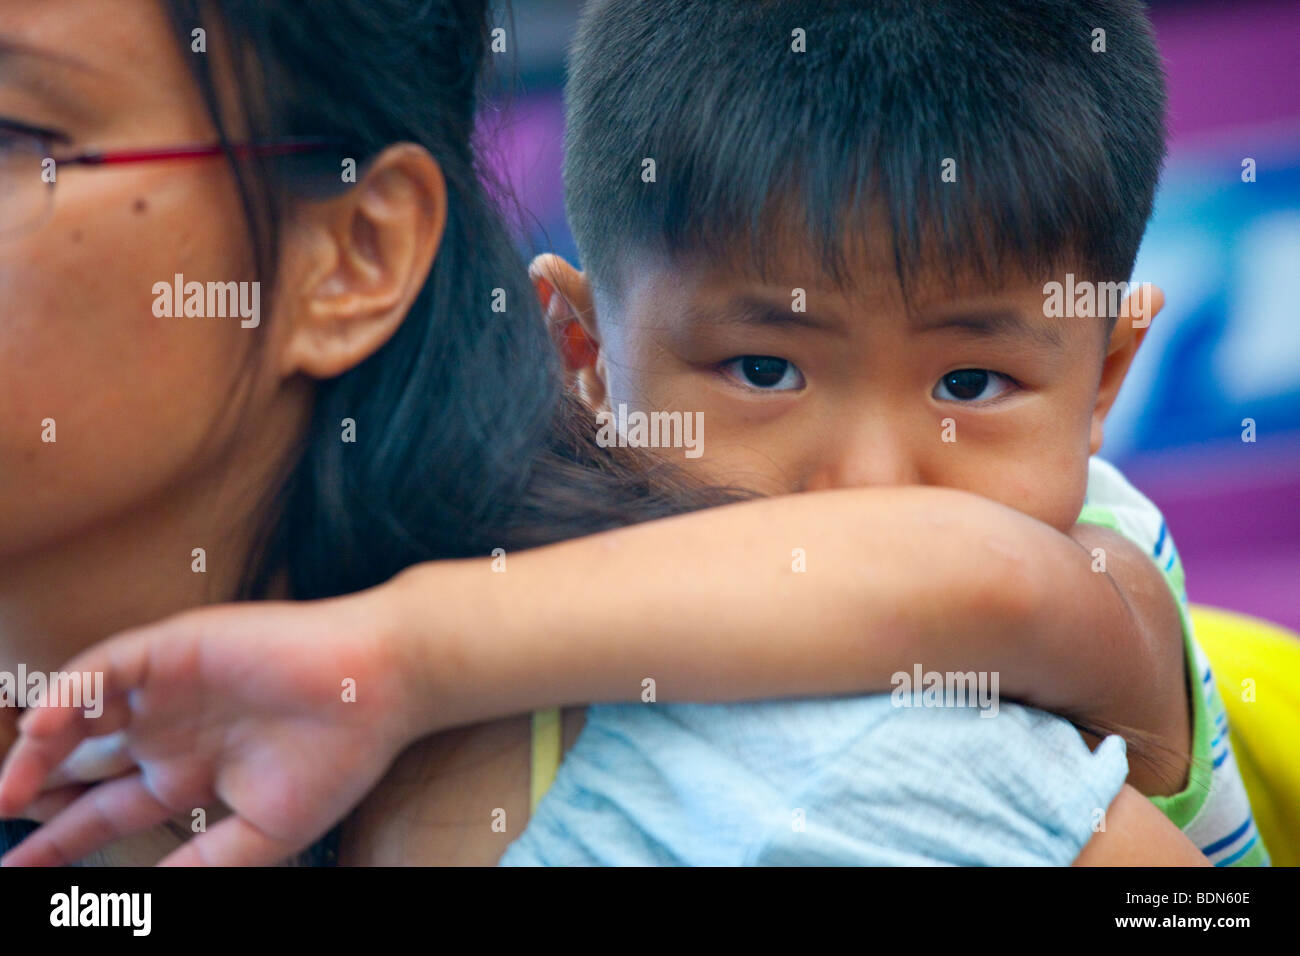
[(1213, 810)]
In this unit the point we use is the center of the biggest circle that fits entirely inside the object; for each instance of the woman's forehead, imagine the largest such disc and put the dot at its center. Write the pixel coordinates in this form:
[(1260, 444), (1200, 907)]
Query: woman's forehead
[(101, 45), (107, 72)]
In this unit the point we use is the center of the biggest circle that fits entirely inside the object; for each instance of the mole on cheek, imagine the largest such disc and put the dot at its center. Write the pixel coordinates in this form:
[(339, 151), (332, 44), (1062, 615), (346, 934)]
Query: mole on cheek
[(76, 235), (140, 205)]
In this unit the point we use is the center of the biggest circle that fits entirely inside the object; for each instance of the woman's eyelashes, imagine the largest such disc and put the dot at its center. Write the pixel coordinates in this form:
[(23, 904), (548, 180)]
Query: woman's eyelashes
[(973, 386), (13, 129), (765, 373)]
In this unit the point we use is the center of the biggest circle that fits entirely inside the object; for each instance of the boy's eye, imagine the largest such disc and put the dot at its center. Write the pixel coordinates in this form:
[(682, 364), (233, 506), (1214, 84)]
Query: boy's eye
[(972, 385), (765, 372)]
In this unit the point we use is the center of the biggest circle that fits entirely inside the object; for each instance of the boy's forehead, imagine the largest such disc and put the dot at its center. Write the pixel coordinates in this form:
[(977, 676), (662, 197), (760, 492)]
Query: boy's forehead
[(930, 297), (795, 296), (865, 262)]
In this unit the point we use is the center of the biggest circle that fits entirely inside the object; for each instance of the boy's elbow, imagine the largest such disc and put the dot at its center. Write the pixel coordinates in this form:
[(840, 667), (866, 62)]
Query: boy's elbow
[(1010, 593), (1011, 574), (1004, 573)]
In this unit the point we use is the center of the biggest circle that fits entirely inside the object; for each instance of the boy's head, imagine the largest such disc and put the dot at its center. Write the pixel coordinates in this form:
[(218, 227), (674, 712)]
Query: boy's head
[(827, 225)]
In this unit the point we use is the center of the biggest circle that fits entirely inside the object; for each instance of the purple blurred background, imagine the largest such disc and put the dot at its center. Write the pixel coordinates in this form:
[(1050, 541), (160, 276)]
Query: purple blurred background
[(1227, 253)]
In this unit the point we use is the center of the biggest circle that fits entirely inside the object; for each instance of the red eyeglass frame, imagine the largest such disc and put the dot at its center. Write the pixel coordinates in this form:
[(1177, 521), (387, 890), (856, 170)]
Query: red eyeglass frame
[(290, 147), (48, 141)]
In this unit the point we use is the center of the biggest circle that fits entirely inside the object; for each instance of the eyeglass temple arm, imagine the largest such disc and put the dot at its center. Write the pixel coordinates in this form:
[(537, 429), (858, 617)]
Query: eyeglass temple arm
[(238, 150)]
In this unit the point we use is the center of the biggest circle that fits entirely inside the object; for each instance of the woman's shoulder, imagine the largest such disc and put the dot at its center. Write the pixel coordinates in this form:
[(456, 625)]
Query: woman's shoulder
[(843, 780)]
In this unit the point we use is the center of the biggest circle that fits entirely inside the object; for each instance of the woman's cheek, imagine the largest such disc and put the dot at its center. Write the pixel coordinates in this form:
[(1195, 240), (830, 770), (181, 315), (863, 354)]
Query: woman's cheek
[(87, 432), (102, 403)]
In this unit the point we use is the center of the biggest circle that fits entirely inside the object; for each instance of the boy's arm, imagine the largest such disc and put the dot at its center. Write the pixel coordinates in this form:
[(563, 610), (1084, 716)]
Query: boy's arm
[(1137, 834), (1154, 702), (709, 607)]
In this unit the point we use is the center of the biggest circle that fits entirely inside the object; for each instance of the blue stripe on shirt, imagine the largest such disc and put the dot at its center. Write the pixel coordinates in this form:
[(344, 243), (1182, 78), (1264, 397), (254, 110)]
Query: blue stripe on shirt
[(1230, 839), (1240, 853)]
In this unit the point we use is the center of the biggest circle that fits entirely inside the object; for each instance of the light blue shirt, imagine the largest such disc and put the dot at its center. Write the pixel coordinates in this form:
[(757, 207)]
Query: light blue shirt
[(840, 781)]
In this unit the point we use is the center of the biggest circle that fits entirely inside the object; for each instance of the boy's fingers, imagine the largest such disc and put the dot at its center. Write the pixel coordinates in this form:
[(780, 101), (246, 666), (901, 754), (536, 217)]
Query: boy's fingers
[(103, 814), (124, 663), (33, 758), (124, 660), (99, 758), (232, 842), (50, 733), (24, 771), (53, 802), (46, 720), (74, 723)]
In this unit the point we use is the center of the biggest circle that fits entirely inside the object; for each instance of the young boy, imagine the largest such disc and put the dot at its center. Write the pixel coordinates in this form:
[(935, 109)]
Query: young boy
[(830, 234), (826, 227)]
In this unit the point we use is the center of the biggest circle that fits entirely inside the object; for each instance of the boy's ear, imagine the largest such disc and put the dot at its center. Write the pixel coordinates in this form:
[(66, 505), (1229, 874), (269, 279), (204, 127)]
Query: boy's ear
[(570, 313), (1135, 317), (353, 264)]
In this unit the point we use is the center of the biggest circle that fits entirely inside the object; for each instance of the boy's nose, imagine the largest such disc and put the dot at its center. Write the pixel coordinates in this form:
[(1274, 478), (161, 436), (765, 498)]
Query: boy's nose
[(865, 461)]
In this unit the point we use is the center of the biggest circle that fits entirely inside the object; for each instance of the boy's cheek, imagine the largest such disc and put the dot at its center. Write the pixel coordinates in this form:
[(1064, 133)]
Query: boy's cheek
[(1048, 489), (739, 467), (1039, 467), (725, 453), (632, 377)]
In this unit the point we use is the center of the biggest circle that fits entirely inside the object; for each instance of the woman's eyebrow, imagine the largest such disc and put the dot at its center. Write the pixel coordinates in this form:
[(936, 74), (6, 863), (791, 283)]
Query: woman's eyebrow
[(55, 78), (13, 47)]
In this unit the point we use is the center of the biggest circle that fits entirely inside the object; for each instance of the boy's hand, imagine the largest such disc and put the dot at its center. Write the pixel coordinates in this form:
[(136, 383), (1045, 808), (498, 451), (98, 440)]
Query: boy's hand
[(277, 711)]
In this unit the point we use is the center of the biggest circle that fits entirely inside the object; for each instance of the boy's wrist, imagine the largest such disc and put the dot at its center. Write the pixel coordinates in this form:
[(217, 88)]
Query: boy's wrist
[(421, 647), (451, 632)]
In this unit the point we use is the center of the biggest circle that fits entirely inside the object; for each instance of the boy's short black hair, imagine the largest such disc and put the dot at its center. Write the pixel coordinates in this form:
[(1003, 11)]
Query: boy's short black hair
[(1058, 148)]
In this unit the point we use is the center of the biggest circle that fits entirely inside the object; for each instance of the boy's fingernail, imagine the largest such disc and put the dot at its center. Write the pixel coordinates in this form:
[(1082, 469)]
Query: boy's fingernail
[(544, 292)]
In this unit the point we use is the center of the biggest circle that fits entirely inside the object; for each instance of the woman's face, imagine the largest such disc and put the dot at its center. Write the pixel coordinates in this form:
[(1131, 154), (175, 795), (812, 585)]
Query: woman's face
[(142, 405)]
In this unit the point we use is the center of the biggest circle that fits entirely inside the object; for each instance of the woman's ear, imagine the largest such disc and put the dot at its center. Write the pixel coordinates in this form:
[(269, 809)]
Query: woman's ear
[(353, 265), (1141, 306), (570, 312)]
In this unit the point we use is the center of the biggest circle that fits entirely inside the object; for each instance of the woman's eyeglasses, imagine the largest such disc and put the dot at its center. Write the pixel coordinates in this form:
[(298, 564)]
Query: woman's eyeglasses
[(29, 168)]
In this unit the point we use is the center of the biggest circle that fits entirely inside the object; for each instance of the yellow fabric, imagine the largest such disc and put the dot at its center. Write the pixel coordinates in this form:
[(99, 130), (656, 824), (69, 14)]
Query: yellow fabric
[(548, 748), (1249, 656)]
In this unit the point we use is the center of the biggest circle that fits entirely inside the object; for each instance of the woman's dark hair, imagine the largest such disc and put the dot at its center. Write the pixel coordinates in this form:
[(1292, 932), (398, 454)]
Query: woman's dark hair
[(465, 438)]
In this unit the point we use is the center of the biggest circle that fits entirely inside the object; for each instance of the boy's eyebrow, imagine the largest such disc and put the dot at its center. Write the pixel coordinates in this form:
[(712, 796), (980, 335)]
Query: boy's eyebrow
[(761, 313), (995, 323)]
